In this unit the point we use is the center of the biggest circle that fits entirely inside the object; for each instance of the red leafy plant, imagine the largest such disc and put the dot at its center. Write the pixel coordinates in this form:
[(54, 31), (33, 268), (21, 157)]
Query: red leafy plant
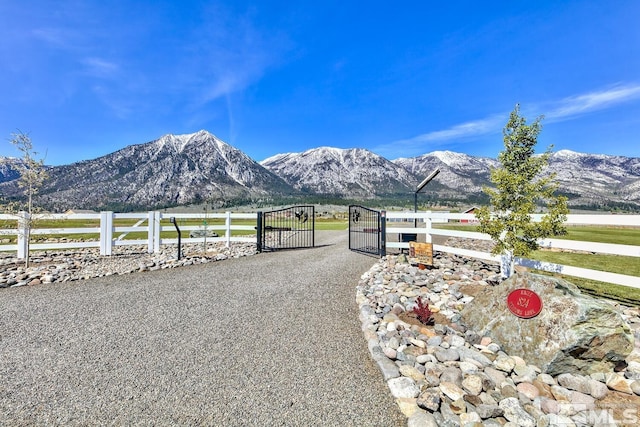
[(422, 311)]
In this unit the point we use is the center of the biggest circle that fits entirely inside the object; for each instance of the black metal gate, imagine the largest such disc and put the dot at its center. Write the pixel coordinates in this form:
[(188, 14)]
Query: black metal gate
[(367, 230), (289, 228)]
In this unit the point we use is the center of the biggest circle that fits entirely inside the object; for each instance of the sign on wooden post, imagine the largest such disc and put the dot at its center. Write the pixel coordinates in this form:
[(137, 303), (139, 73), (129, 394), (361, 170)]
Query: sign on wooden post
[(421, 253)]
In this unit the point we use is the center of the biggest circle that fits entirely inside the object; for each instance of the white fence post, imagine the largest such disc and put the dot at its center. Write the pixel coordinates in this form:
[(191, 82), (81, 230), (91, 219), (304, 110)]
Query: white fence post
[(23, 234), (106, 232), (227, 224), (427, 225), (150, 235), (156, 232), (507, 264)]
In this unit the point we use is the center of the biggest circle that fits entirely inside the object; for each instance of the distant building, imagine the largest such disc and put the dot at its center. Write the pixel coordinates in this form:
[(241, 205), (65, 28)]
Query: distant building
[(471, 210)]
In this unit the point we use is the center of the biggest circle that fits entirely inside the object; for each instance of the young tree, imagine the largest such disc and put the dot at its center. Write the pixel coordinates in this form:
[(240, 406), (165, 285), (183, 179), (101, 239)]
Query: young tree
[(33, 173), (520, 187)]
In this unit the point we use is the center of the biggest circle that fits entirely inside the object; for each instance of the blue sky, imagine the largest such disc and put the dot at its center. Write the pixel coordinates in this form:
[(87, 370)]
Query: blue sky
[(86, 78)]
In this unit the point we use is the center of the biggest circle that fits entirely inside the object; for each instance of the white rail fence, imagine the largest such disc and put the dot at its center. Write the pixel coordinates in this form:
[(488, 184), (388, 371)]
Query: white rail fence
[(429, 218), (109, 235)]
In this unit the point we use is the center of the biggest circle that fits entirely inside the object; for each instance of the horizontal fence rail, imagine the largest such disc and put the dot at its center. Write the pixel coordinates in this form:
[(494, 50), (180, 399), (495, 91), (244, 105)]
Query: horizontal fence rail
[(424, 227), (106, 234)]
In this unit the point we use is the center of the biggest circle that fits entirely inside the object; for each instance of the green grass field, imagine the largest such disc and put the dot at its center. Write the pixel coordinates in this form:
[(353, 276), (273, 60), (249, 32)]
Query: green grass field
[(612, 263)]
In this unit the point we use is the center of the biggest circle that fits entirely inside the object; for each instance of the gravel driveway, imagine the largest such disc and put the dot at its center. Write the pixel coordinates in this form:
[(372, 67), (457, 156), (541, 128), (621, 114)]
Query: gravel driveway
[(268, 340)]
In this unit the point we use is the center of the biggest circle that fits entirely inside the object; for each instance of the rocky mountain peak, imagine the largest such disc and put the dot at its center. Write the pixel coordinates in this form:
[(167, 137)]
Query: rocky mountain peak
[(338, 171)]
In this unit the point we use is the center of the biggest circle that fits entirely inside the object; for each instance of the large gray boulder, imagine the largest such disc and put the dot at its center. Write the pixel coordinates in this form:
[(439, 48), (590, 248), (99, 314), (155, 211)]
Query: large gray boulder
[(574, 333)]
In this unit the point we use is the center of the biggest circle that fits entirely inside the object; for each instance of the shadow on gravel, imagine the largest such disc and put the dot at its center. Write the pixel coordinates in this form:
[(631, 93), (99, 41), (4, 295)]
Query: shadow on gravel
[(298, 249)]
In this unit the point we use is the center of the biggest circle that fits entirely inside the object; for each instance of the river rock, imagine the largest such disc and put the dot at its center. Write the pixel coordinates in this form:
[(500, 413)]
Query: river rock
[(574, 333)]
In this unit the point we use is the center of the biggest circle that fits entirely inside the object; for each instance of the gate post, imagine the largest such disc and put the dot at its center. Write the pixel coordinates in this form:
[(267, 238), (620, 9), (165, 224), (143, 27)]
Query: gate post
[(313, 227), (259, 232), (383, 233)]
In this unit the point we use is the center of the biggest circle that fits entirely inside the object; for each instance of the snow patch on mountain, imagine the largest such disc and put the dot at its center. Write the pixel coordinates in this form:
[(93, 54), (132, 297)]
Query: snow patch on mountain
[(347, 172)]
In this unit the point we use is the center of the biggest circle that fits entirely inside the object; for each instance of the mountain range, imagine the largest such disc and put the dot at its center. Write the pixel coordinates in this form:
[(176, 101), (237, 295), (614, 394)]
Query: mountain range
[(199, 167)]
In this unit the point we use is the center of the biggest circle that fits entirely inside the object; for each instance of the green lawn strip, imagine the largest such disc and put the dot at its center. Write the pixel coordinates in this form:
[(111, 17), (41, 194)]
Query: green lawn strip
[(611, 263), (619, 235), (599, 234), (331, 225), (623, 294)]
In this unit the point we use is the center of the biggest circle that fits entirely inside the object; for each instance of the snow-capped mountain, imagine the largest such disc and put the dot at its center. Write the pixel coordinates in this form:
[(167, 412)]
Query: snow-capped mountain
[(344, 172), (595, 178), (589, 179), (198, 167), (173, 170), (9, 168), (458, 172)]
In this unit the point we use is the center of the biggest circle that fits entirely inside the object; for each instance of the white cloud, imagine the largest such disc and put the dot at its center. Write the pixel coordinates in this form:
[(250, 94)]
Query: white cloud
[(593, 101), (98, 67), (559, 110), (231, 53), (432, 140), (463, 130), (58, 37)]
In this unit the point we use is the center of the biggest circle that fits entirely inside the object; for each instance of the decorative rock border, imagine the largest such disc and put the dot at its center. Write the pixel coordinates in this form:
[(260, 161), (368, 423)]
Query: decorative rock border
[(447, 375), (63, 266)]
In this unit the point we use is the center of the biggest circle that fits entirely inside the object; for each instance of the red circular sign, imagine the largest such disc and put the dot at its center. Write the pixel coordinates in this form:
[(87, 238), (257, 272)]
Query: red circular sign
[(524, 303)]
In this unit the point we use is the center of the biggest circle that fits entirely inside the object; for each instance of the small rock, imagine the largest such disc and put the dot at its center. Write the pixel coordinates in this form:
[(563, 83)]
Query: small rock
[(451, 390), (597, 389), (544, 389), (549, 406), (498, 377), (403, 387), (422, 419), (411, 372), (390, 353), (504, 363), (470, 418), (547, 379), (574, 382), (619, 383), (446, 355), (451, 374), (388, 368), (429, 399), (561, 394), (582, 401), (489, 411), (458, 406), (515, 413), (407, 406), (472, 384), (528, 390), (485, 341), (508, 390)]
